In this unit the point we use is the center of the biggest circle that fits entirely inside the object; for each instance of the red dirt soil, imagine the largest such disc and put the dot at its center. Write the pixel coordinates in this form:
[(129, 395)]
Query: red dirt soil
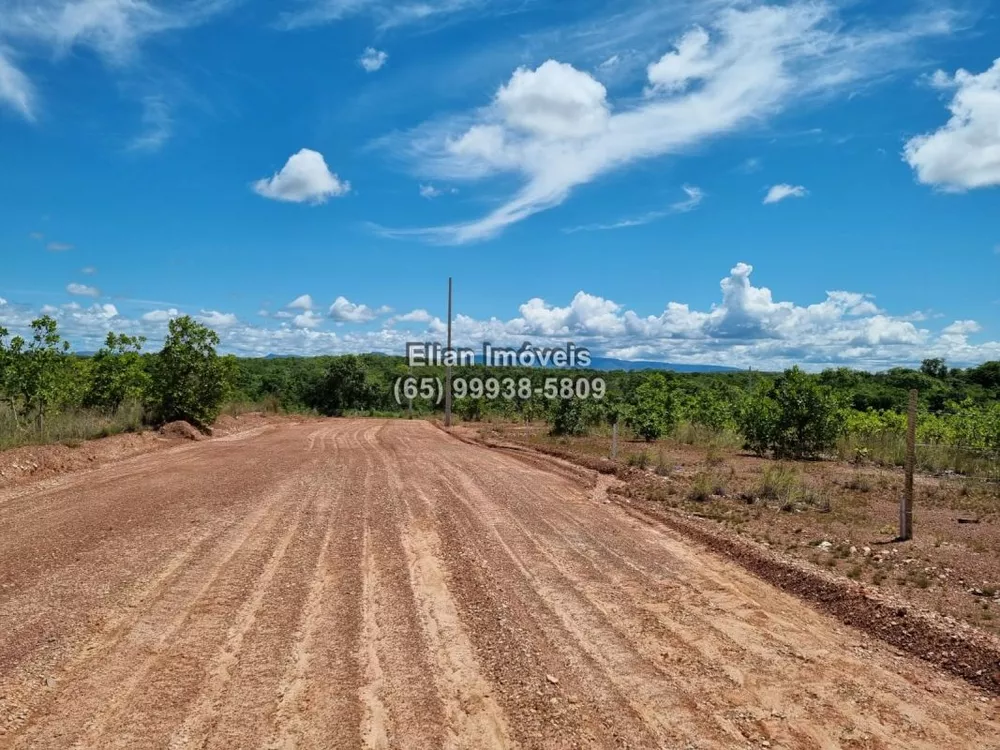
[(369, 583)]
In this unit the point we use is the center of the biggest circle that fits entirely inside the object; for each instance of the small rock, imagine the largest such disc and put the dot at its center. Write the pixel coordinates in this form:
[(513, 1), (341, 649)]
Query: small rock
[(824, 545), (50, 682), (552, 678)]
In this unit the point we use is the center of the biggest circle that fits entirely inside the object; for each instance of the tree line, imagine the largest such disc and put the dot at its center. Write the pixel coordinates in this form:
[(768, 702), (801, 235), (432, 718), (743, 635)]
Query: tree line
[(788, 414)]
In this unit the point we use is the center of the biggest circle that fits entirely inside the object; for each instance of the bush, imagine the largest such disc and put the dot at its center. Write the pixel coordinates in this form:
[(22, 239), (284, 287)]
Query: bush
[(794, 417), (652, 412), (190, 380), (569, 418)]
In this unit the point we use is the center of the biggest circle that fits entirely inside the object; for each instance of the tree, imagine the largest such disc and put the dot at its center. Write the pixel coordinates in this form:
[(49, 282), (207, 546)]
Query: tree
[(652, 413), (190, 380), (808, 417), (569, 418), (344, 387), (934, 368), (119, 374), (36, 370)]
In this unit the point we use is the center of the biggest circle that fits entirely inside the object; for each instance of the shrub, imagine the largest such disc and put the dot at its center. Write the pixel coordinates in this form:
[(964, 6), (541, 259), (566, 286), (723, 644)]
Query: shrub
[(190, 380), (652, 413)]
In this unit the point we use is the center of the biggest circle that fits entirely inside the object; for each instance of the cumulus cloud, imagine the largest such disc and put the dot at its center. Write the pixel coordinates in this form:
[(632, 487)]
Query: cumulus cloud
[(373, 59), (305, 302), (161, 316), (82, 290), (429, 191), (555, 128), (216, 319), (778, 193), (749, 325), (965, 152), (2, 302), (345, 311), (415, 316), (305, 178), (308, 319)]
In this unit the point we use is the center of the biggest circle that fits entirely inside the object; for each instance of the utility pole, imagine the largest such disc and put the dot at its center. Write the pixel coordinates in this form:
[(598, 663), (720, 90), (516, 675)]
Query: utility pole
[(447, 376), (906, 505)]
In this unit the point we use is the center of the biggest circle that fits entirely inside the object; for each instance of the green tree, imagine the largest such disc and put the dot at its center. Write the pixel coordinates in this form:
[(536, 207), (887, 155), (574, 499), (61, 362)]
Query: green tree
[(757, 420), (190, 380), (344, 387), (652, 412), (119, 373), (569, 418), (809, 417), (37, 370), (934, 368)]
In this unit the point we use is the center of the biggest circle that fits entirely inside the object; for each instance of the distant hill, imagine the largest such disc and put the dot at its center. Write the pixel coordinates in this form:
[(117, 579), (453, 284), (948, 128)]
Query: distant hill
[(604, 363)]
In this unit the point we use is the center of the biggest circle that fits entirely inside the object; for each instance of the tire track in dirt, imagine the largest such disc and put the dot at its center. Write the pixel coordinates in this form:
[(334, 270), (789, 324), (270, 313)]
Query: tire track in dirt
[(474, 719), (377, 584)]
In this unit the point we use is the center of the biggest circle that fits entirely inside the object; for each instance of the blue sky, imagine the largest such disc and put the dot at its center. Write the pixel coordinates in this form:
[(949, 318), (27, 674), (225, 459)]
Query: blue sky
[(721, 181)]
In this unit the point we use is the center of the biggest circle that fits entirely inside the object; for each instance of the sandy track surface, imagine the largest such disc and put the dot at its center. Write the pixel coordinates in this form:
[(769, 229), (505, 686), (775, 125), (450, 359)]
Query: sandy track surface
[(360, 583)]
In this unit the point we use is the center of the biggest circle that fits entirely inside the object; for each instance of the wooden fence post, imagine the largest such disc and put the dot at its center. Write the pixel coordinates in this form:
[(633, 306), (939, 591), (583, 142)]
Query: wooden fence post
[(906, 506), (614, 441)]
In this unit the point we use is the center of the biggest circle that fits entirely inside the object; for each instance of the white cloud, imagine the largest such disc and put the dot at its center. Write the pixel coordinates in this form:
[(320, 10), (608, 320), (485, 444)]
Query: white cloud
[(283, 315), (694, 194), (308, 319), (429, 191), (305, 302), (778, 193), (345, 311), (157, 122), (58, 247), (161, 316), (555, 128), (215, 319), (114, 29), (16, 90), (415, 316), (748, 326), (964, 153), (388, 13), (82, 290), (373, 59), (2, 302), (305, 178)]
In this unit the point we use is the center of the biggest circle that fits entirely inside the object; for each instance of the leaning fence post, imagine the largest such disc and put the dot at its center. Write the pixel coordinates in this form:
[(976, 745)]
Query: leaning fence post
[(906, 505)]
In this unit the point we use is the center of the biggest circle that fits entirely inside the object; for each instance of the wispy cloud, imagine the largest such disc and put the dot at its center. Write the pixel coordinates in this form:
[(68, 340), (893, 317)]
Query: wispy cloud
[(157, 125), (58, 247), (114, 29), (694, 199), (778, 193), (555, 128), (386, 13), (16, 91)]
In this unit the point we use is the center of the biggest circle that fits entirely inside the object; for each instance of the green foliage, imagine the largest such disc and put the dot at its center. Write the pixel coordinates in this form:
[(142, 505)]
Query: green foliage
[(190, 381), (792, 417), (569, 418), (118, 374), (652, 410), (36, 374), (345, 387)]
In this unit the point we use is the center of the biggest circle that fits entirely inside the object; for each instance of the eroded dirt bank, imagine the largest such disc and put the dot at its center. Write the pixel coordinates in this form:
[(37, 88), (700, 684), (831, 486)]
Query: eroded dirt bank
[(360, 583)]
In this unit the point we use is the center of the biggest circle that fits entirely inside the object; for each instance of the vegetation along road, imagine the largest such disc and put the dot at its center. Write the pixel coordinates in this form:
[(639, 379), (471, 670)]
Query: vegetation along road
[(371, 583)]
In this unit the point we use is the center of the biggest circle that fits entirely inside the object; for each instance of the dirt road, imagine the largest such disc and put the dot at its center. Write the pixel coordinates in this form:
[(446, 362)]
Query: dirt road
[(378, 584)]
